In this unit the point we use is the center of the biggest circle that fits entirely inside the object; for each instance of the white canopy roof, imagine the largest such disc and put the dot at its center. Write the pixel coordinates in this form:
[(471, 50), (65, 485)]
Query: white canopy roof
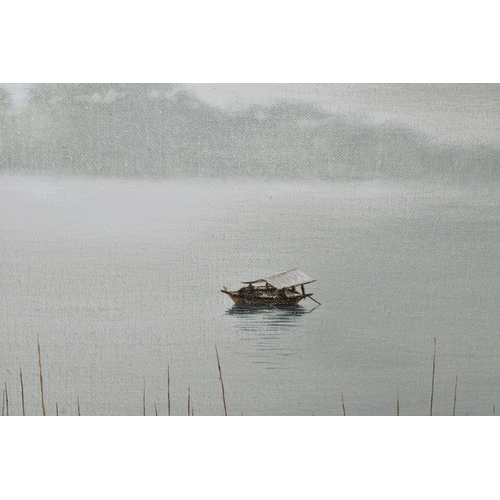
[(293, 277)]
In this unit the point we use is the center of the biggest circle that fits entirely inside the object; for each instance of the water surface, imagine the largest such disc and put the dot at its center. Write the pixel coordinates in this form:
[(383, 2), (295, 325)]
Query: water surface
[(120, 279)]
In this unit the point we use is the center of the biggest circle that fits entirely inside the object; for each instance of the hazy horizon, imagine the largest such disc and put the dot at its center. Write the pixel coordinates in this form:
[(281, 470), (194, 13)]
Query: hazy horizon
[(326, 131)]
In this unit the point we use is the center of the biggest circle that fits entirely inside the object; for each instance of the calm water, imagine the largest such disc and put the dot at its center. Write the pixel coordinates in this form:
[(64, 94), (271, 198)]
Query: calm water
[(120, 279)]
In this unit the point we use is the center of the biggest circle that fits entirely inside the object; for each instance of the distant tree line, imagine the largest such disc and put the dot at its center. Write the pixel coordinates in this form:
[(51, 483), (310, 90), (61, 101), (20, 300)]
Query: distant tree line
[(161, 130)]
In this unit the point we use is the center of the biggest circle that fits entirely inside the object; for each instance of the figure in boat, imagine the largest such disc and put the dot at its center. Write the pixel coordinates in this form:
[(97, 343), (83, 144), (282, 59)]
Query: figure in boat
[(280, 289)]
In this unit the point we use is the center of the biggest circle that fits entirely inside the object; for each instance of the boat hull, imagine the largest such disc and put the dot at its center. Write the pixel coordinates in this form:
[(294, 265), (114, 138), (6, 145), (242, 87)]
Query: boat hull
[(264, 301)]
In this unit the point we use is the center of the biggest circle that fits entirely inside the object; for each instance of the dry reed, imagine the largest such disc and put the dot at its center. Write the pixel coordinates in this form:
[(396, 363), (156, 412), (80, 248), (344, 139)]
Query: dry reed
[(22, 390), (57, 410), (156, 411), (433, 374), (6, 399), (79, 414), (343, 406), (221, 382), (41, 378)]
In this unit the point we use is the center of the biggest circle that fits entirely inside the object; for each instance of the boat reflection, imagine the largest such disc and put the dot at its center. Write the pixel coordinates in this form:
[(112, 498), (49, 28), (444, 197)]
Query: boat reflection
[(270, 318), (268, 341)]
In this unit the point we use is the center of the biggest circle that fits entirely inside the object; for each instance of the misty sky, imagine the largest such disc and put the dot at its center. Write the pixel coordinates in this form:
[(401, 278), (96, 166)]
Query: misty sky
[(449, 112), (463, 113)]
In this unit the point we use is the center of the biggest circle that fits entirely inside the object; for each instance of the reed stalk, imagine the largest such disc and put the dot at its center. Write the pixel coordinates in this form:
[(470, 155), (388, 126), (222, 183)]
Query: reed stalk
[(41, 378), (6, 399), (79, 414), (22, 390), (156, 411), (168, 383), (433, 375), (493, 409), (189, 401), (3, 403), (144, 400), (221, 381), (57, 410), (455, 396), (343, 406)]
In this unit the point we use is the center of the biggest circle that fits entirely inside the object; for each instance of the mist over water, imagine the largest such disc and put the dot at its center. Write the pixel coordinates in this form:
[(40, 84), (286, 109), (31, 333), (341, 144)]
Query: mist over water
[(122, 278)]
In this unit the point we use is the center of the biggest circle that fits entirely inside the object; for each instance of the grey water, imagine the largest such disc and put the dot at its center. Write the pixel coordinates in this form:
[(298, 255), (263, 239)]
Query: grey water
[(120, 281)]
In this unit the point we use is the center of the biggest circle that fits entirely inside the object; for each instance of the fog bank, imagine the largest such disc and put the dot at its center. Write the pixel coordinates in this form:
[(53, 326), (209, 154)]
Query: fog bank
[(174, 130)]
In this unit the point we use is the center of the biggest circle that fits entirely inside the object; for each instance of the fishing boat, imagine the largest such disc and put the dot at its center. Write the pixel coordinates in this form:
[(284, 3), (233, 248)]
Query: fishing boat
[(277, 290)]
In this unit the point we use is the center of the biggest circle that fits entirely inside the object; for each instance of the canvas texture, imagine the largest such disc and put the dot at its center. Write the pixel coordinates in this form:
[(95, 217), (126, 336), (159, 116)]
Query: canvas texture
[(249, 249)]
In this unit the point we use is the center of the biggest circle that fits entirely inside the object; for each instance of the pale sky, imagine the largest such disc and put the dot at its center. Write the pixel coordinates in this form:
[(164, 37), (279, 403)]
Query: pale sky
[(18, 91)]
